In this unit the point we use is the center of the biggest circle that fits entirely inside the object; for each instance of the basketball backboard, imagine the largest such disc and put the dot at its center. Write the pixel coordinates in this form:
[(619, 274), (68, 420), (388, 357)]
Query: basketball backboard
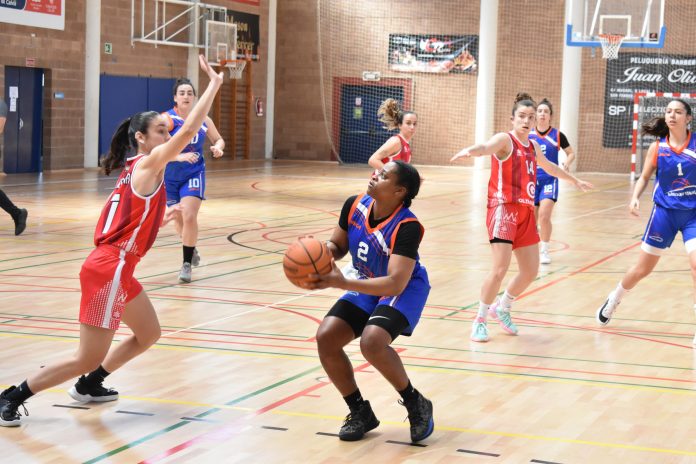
[(220, 42), (641, 22), (180, 23)]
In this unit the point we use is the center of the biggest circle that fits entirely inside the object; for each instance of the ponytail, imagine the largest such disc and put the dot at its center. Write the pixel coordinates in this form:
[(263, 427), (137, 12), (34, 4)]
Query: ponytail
[(658, 127), (391, 115), (123, 141), (118, 151)]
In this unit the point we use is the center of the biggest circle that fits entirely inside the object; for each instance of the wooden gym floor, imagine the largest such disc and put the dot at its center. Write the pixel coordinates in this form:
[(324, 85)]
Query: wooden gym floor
[(236, 377)]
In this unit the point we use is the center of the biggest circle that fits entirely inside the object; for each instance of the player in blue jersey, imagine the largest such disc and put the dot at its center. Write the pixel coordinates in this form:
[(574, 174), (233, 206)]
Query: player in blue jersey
[(551, 141), (382, 236), (185, 178), (673, 157)]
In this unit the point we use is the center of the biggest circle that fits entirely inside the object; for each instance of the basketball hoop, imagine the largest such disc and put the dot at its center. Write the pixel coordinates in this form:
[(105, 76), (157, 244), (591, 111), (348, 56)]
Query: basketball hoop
[(610, 45), (236, 67)]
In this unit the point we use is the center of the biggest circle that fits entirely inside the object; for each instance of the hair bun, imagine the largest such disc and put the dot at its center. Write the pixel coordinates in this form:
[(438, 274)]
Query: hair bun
[(523, 96)]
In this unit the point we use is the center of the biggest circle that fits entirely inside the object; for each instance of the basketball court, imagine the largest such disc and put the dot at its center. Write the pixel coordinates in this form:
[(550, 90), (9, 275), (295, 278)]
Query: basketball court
[(236, 376)]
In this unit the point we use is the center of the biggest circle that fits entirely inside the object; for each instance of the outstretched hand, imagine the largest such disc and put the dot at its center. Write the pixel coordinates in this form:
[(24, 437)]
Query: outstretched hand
[(462, 154), (215, 77), (583, 185)]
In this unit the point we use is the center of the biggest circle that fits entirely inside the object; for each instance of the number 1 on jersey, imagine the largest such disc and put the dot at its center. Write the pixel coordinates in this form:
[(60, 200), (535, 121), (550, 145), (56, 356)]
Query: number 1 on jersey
[(112, 211), (679, 170)]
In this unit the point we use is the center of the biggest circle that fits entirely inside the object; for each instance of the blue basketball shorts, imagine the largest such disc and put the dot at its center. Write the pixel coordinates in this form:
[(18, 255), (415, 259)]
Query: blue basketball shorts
[(546, 188), (662, 228), (410, 303), (191, 184)]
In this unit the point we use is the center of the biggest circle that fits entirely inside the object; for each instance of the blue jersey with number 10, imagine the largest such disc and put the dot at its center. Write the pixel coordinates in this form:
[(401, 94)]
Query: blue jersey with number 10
[(195, 146), (675, 181), (371, 247)]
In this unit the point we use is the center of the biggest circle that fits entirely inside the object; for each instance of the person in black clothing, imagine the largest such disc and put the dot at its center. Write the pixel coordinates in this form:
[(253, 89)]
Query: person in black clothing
[(382, 236), (19, 215)]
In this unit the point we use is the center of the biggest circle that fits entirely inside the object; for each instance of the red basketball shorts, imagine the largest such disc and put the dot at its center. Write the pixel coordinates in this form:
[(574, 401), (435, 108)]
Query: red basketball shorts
[(107, 284), (512, 223)]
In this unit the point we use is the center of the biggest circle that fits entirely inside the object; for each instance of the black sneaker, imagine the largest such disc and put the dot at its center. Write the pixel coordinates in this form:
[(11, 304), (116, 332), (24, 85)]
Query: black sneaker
[(358, 423), (21, 221), (420, 415), (85, 393), (9, 410)]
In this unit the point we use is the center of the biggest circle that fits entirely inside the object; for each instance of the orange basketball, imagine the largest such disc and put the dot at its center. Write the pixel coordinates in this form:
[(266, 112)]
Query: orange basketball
[(306, 256)]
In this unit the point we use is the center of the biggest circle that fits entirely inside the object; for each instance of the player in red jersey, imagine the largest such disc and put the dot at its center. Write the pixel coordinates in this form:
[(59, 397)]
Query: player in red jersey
[(397, 147), (510, 218), (126, 230)]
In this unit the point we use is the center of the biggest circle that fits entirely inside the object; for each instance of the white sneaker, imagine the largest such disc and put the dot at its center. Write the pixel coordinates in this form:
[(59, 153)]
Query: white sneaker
[(605, 311), (479, 330), (544, 257), (185, 273)]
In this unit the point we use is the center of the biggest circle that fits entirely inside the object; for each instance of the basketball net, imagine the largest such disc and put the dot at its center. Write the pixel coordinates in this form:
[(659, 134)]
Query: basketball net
[(610, 45), (236, 67)]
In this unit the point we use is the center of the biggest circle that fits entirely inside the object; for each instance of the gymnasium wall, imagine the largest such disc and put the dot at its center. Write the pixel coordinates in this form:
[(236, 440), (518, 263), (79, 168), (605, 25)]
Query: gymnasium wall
[(61, 54), (529, 57), (531, 38)]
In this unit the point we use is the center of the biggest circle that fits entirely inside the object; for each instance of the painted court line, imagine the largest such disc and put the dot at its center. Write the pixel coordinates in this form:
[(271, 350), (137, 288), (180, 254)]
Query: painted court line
[(406, 443), (223, 433), (135, 413), (481, 453), (226, 318)]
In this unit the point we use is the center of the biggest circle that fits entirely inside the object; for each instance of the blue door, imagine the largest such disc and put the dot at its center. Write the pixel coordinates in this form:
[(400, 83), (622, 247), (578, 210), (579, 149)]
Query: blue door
[(361, 133), (24, 125), (120, 97)]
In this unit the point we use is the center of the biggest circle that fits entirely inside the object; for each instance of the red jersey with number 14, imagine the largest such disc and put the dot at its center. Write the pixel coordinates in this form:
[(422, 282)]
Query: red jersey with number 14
[(130, 221), (513, 180)]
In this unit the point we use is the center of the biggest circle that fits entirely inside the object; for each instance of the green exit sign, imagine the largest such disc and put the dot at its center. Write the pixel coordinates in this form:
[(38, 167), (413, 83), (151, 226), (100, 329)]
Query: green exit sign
[(108, 48)]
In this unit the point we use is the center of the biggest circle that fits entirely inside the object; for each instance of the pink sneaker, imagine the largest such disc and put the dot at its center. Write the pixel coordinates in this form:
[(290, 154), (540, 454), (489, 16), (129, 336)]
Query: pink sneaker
[(502, 316)]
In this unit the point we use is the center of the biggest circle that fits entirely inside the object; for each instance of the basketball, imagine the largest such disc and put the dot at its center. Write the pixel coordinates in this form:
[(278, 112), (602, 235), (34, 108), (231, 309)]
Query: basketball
[(306, 256)]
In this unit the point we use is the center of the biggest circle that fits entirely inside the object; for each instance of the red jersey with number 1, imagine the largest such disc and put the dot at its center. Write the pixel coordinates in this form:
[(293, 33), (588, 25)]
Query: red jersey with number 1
[(130, 221), (513, 181)]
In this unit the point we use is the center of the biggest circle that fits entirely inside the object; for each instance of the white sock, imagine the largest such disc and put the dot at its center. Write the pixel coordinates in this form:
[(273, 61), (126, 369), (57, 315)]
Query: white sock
[(544, 247), (618, 293), (483, 310), (506, 300)]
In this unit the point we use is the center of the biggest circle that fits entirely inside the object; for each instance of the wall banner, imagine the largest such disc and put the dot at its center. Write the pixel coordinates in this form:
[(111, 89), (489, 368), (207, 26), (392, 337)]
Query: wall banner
[(433, 53)]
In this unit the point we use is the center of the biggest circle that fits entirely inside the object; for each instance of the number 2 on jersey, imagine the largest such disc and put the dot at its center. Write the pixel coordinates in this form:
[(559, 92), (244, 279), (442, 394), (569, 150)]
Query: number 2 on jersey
[(362, 251)]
